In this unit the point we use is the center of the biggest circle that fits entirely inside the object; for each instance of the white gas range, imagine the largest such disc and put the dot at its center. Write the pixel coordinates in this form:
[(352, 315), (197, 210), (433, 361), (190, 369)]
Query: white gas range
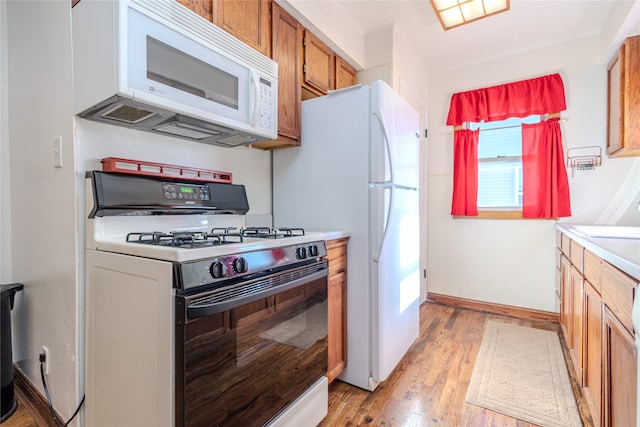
[(194, 323)]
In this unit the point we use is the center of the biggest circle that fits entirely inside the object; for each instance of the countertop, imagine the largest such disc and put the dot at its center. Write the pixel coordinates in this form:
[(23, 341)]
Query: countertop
[(621, 253), (333, 234)]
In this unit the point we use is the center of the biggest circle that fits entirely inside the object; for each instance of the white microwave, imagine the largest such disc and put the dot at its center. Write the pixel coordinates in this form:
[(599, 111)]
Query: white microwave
[(156, 66)]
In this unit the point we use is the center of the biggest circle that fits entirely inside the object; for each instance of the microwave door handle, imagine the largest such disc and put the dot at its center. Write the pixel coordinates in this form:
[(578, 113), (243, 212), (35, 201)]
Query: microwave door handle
[(254, 99)]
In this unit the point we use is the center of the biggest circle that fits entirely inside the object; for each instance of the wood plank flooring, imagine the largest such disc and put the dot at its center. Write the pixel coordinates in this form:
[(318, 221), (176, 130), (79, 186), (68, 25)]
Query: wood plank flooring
[(429, 386), (427, 389), (20, 418)]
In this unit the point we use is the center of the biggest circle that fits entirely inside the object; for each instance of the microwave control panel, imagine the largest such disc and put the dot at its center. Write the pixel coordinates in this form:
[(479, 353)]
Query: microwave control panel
[(173, 191), (268, 107)]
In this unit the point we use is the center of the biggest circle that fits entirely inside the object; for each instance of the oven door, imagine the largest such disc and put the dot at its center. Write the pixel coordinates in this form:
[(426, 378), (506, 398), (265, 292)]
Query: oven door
[(242, 355)]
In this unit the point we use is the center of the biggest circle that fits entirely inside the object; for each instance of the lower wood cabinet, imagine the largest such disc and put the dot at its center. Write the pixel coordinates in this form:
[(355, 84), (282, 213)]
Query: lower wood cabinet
[(592, 357), (620, 373), (595, 316), (337, 307)]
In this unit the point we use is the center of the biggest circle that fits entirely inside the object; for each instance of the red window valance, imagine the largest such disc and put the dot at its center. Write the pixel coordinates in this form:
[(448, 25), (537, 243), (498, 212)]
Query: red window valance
[(519, 99)]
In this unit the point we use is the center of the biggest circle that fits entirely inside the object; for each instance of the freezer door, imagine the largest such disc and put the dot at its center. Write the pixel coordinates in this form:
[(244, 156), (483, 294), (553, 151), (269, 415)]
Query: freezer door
[(395, 138), (395, 276)]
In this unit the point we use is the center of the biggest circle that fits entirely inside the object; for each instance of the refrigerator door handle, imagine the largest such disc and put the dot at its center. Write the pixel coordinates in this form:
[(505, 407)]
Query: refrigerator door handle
[(387, 148), (387, 215)]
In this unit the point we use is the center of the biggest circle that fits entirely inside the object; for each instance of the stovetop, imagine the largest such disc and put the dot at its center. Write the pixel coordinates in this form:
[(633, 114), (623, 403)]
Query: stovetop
[(185, 245)]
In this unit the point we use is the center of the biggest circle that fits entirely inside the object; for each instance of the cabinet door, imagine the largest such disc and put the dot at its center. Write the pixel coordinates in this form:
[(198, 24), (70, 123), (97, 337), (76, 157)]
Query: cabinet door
[(337, 307), (620, 373), (248, 20), (203, 8), (623, 120), (566, 298), (592, 358), (286, 52), (576, 318), (318, 65), (336, 323), (346, 75)]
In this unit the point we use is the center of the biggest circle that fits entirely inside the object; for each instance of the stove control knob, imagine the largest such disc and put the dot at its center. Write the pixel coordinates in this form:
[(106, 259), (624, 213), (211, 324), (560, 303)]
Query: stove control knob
[(217, 269), (313, 250), (240, 265), (301, 253)]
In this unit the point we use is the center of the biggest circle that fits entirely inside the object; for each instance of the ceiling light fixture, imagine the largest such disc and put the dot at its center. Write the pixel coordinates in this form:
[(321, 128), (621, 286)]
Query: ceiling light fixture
[(453, 13)]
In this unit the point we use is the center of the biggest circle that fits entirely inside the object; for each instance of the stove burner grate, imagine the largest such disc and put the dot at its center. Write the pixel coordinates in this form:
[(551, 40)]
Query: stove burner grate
[(186, 239), (271, 233)]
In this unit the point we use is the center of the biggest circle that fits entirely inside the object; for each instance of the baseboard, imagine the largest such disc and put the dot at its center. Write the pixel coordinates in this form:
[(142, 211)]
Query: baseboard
[(35, 403), (488, 307)]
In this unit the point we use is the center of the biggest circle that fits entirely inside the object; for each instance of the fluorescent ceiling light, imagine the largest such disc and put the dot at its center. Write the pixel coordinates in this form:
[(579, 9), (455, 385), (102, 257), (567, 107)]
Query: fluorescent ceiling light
[(453, 13)]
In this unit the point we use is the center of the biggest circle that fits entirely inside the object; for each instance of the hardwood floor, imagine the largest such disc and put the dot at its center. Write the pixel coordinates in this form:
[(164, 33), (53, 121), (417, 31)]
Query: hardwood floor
[(428, 387), (20, 418)]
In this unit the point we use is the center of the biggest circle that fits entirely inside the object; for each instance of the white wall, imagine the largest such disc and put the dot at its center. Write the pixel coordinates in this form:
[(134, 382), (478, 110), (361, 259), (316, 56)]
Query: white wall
[(46, 213), (5, 213), (512, 261), (42, 208)]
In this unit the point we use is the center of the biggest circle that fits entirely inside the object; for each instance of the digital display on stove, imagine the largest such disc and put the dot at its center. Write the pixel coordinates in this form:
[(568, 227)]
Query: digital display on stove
[(188, 193)]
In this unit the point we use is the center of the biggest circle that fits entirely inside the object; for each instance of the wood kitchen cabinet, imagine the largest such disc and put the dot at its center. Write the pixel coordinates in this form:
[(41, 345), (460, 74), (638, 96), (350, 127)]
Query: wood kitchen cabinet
[(592, 357), (318, 68), (337, 307), (620, 370), (248, 20), (346, 75), (599, 332), (203, 8), (305, 63), (623, 106), (287, 33)]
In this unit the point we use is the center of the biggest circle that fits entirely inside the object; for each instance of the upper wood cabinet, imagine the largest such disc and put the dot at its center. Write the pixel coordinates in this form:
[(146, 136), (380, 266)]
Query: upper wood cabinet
[(287, 33), (203, 8), (248, 20), (623, 119), (304, 61), (346, 75), (319, 64)]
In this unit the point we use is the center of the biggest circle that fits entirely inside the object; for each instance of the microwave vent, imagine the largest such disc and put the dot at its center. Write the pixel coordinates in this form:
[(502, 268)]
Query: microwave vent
[(128, 114), (184, 130), (238, 139)]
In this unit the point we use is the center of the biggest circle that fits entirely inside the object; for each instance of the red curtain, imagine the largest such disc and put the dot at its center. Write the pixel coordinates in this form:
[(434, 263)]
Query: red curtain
[(545, 185), (465, 173), (520, 99)]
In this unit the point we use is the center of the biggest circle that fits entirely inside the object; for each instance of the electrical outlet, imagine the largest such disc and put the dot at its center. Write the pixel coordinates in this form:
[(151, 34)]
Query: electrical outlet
[(47, 361)]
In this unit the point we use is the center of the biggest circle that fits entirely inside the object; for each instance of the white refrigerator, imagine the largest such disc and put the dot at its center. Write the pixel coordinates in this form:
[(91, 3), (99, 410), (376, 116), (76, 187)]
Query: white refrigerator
[(357, 170)]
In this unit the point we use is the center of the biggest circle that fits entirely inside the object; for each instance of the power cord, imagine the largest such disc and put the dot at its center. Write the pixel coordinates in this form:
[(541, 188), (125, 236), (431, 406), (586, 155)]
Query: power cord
[(46, 392)]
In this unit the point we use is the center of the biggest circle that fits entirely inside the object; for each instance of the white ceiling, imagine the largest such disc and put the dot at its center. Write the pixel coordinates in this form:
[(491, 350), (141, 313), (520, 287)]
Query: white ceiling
[(528, 25)]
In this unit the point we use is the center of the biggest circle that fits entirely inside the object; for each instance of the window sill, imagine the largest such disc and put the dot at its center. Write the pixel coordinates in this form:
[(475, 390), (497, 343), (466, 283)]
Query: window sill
[(495, 214), (499, 214)]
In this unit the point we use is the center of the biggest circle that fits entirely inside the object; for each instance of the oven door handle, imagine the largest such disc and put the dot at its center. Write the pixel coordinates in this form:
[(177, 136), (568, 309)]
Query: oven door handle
[(197, 309)]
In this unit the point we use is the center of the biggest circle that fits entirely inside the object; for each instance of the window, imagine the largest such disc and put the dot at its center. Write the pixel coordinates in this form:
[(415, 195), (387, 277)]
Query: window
[(500, 163), (533, 180)]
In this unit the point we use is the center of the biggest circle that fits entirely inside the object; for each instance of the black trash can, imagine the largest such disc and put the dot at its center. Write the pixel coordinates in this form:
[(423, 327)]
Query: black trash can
[(8, 403)]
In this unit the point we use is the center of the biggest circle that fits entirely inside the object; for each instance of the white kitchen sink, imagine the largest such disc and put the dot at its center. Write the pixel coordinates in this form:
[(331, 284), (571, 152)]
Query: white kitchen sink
[(609, 231)]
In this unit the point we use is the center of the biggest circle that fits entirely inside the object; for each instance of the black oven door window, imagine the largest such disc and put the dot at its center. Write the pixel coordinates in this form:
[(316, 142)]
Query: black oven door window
[(243, 366)]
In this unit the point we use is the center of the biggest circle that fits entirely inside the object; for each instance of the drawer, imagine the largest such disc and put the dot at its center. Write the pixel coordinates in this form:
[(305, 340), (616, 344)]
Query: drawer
[(565, 245), (592, 269), (576, 256), (618, 291)]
